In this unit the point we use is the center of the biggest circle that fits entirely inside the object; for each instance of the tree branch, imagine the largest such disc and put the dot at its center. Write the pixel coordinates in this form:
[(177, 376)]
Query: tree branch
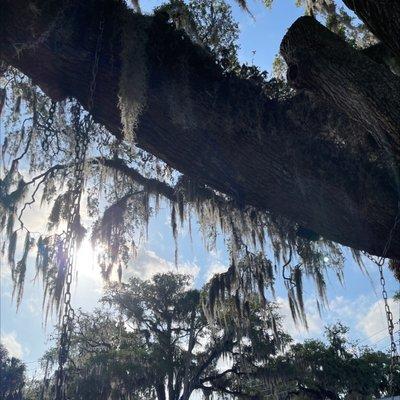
[(382, 18), (222, 131), (369, 93)]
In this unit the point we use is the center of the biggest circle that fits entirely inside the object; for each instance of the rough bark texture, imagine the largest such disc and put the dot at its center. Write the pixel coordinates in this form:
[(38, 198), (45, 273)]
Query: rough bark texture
[(382, 17), (367, 92), (221, 130)]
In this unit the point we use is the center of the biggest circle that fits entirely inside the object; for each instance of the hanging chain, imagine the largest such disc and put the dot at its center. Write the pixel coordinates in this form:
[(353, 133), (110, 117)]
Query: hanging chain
[(389, 315), (389, 318), (81, 129), (95, 68), (48, 126), (70, 247)]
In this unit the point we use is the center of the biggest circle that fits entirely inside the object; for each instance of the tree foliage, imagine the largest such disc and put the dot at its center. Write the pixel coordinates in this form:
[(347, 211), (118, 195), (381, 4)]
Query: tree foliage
[(155, 342), (124, 185), (336, 369), (12, 376), (151, 340)]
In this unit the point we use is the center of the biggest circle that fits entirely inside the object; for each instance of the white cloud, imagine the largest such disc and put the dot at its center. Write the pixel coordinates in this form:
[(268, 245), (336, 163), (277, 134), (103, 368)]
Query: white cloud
[(365, 318), (10, 342), (298, 331), (345, 307), (373, 322), (5, 271), (148, 263), (35, 306), (215, 268)]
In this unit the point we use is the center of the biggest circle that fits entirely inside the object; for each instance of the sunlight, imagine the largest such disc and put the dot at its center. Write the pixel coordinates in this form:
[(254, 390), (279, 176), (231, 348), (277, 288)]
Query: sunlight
[(86, 255), (87, 266), (86, 259)]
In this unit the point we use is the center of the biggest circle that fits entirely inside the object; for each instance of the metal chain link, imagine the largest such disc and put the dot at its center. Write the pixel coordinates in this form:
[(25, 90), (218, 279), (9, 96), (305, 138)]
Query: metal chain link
[(389, 318), (394, 357), (81, 129), (48, 126), (95, 69), (69, 250)]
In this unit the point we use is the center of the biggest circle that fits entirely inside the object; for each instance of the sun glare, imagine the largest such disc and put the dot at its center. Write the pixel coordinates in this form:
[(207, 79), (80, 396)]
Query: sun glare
[(87, 262), (86, 258)]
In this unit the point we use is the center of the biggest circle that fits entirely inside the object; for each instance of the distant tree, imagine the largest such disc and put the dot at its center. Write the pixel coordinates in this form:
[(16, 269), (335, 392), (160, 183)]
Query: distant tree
[(333, 370), (156, 343), (12, 376), (216, 28)]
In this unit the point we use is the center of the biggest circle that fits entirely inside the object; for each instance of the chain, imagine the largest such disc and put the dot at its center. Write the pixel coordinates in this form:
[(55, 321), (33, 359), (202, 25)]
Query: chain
[(48, 126), (81, 129), (389, 315), (389, 318), (95, 68), (69, 248)]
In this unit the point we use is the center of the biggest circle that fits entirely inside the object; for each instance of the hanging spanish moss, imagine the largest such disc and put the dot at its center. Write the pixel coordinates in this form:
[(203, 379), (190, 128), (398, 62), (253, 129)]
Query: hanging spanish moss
[(133, 80), (123, 192)]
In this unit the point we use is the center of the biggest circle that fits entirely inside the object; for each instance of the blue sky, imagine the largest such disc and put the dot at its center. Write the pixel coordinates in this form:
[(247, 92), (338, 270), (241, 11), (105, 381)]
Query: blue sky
[(357, 303)]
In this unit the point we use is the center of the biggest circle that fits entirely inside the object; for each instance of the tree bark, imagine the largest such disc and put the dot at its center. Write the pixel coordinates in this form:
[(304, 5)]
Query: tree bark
[(221, 130), (382, 17), (160, 391), (367, 92)]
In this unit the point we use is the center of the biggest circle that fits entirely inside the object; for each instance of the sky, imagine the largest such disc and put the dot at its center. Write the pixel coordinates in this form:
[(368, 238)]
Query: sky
[(358, 303)]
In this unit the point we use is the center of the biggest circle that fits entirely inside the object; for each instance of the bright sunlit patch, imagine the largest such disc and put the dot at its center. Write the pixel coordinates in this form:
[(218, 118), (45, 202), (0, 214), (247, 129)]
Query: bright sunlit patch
[(86, 261), (87, 265), (326, 259), (86, 256)]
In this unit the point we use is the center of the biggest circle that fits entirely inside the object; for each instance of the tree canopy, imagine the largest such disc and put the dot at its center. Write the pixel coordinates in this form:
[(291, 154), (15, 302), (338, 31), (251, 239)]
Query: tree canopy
[(209, 115), (155, 342), (12, 376), (109, 111), (347, 145), (151, 339)]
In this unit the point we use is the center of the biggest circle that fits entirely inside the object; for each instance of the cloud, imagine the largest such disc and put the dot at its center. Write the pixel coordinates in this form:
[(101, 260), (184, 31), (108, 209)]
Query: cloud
[(5, 270), (148, 263), (365, 318), (373, 322), (10, 342), (35, 306), (216, 267), (298, 331)]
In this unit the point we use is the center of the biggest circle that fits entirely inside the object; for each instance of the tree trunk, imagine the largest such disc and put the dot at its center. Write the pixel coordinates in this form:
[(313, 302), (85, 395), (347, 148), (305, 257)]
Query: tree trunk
[(223, 131), (367, 92), (189, 354), (382, 17), (160, 391)]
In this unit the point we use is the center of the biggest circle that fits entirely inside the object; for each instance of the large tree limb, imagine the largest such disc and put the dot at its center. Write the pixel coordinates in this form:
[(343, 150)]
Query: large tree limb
[(217, 129), (369, 93), (382, 17)]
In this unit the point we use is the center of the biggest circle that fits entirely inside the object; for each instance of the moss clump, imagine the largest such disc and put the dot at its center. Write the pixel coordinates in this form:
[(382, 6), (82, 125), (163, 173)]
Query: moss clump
[(133, 81)]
